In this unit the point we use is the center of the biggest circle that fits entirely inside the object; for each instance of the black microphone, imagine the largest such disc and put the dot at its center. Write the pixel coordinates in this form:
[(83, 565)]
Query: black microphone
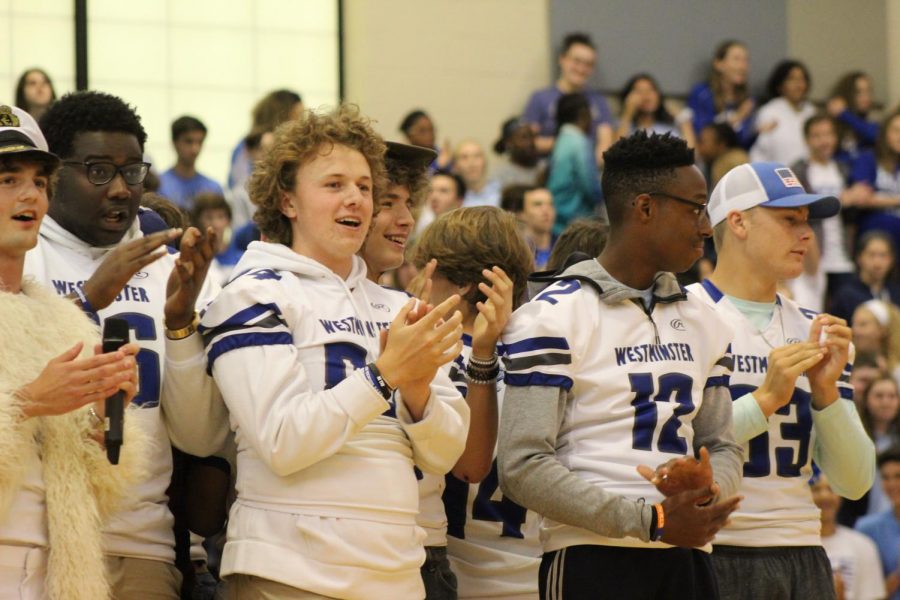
[(115, 335)]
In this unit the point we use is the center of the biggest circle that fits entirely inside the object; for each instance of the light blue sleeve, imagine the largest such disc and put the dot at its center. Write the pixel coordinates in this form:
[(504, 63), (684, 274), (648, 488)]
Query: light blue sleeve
[(749, 420), (843, 450)]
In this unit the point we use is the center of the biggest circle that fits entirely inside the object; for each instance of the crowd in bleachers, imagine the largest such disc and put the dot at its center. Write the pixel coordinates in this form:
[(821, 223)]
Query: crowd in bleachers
[(545, 169)]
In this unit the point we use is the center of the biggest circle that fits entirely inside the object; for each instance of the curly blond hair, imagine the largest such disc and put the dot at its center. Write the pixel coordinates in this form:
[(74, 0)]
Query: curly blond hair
[(466, 240), (297, 142)]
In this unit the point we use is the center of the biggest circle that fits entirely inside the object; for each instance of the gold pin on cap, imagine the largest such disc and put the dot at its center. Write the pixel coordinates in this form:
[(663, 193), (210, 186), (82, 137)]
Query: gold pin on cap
[(7, 117)]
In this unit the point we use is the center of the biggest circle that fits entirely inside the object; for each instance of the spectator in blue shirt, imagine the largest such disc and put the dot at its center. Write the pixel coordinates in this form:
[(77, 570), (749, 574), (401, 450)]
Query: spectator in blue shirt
[(850, 104), (577, 59), (884, 528), (573, 177), (725, 97), (182, 182), (880, 170)]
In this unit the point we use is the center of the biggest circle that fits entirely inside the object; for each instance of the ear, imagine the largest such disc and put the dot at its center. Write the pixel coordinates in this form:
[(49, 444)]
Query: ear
[(644, 208), (288, 206), (738, 223)]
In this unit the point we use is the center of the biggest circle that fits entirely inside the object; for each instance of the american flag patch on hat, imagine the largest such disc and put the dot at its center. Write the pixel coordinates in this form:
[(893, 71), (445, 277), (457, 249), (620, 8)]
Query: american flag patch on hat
[(788, 178)]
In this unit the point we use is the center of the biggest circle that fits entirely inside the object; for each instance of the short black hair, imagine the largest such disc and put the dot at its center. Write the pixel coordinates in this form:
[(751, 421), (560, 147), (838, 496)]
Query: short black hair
[(512, 198), (88, 111), (725, 133), (819, 118), (186, 124), (576, 37), (460, 184), (892, 454), (410, 119), (640, 163), (570, 108), (781, 72)]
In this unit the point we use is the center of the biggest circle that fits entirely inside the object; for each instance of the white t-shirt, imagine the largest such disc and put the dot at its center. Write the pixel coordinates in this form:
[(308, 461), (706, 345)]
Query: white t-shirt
[(785, 143), (827, 179), (854, 557)]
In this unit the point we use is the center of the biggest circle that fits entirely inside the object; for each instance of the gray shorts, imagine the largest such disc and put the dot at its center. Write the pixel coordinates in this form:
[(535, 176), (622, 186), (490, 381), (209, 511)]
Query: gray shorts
[(773, 573)]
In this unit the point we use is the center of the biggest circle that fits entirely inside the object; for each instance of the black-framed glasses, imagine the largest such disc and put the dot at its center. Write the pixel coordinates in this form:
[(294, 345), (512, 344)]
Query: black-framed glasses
[(700, 210), (102, 172)]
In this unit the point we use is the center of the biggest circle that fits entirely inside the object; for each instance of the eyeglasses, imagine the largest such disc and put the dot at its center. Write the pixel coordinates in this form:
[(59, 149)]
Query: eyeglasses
[(699, 209), (101, 173)]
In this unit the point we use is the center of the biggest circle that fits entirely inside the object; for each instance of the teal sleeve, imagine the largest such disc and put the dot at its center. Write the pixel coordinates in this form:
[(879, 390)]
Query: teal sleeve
[(843, 450), (749, 420)]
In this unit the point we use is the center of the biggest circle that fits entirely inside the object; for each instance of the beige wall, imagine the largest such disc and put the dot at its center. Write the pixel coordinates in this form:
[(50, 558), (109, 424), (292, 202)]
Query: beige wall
[(893, 52), (836, 36), (471, 64)]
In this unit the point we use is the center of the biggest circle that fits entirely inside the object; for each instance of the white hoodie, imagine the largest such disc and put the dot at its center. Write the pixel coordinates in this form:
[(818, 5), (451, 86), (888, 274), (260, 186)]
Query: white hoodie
[(327, 495), (62, 261)]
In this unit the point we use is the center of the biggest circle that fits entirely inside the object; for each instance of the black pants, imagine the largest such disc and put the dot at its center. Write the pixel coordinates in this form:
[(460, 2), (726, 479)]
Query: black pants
[(599, 572)]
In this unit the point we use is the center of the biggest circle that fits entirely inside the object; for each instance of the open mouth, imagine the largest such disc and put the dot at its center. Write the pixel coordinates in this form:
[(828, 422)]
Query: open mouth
[(398, 240), (349, 222), (27, 216), (116, 216)]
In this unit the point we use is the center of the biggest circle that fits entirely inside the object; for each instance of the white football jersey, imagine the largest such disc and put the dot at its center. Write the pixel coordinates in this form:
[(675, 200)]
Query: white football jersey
[(636, 383), (432, 517), (493, 543), (327, 496), (777, 509), (143, 527)]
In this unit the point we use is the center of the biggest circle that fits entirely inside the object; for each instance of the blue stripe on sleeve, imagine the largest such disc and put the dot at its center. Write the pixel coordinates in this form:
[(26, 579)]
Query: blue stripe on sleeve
[(243, 316), (538, 343), (245, 340), (523, 379), (721, 380), (846, 393)]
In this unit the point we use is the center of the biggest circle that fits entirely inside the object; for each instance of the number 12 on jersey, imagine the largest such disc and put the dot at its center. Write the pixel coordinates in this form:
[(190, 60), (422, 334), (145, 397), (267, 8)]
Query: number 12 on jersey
[(646, 414)]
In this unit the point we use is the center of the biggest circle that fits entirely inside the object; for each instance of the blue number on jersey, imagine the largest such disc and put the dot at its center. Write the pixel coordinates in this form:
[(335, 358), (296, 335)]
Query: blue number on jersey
[(645, 412), (504, 511), (144, 328), (561, 288), (788, 462), (340, 359)]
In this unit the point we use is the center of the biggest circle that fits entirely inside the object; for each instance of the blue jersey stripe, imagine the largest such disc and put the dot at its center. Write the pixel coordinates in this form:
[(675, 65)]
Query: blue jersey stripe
[(845, 392), (243, 316), (244, 340), (523, 379), (538, 343)]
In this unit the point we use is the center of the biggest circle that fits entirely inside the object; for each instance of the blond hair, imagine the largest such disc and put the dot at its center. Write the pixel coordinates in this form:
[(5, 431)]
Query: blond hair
[(297, 142)]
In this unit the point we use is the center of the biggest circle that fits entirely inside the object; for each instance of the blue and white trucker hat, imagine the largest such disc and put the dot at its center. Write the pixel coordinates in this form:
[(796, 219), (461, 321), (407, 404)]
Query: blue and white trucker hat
[(765, 184)]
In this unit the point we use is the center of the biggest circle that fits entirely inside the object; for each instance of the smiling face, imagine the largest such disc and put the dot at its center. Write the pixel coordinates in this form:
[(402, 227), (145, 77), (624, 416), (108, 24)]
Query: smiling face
[(734, 65), (23, 204), (98, 214), (778, 238), (386, 242), (577, 65), (330, 207)]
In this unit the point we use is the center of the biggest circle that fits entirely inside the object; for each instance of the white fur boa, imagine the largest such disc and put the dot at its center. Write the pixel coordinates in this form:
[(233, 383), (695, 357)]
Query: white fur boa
[(82, 488)]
